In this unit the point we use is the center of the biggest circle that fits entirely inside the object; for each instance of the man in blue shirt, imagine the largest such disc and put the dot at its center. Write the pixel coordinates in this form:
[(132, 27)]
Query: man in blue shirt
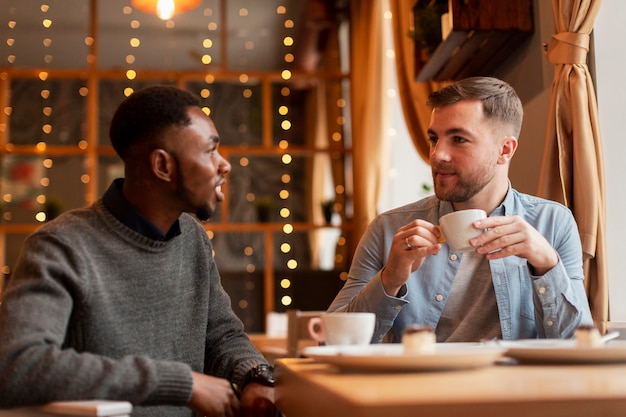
[(525, 277)]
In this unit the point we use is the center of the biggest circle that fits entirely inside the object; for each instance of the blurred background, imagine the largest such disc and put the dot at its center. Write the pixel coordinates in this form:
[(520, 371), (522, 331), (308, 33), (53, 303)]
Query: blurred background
[(272, 74)]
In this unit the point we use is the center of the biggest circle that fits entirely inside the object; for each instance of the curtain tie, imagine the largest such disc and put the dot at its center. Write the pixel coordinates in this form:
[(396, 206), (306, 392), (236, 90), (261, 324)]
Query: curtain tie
[(568, 48)]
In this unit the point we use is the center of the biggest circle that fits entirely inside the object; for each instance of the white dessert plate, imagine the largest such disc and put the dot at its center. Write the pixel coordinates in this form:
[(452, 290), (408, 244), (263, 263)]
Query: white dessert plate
[(558, 351), (391, 357)]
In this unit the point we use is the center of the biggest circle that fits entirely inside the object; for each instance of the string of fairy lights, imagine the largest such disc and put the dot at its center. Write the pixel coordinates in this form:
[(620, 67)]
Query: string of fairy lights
[(283, 113), (20, 170), (286, 159)]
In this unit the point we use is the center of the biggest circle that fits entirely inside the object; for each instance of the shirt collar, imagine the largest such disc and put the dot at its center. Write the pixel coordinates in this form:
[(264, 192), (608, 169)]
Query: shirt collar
[(507, 207), (123, 211)]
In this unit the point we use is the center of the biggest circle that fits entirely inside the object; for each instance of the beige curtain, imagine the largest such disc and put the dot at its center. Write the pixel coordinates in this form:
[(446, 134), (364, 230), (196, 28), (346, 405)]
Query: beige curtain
[(366, 67), (366, 92), (572, 168), (413, 95)]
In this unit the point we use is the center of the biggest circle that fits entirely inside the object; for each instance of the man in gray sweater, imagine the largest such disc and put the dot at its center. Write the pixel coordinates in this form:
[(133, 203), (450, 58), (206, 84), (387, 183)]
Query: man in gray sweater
[(122, 300)]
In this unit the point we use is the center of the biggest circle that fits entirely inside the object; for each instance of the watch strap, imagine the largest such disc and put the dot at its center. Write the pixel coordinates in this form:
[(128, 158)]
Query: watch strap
[(262, 374)]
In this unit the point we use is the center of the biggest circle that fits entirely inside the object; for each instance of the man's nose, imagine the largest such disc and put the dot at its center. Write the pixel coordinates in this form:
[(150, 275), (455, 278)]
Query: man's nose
[(225, 166), (439, 151)]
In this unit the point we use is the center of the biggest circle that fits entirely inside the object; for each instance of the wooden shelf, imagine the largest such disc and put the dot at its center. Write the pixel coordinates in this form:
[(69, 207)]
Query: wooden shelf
[(484, 34)]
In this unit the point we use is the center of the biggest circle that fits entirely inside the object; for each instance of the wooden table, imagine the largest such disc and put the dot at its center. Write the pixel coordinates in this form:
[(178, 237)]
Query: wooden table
[(305, 388), (262, 340), (272, 347)]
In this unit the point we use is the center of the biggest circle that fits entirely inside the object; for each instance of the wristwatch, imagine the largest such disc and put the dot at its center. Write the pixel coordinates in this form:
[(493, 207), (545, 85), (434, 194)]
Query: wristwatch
[(262, 374)]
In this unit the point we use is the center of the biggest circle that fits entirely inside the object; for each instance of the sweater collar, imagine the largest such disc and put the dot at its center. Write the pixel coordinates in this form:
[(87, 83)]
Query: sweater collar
[(123, 211)]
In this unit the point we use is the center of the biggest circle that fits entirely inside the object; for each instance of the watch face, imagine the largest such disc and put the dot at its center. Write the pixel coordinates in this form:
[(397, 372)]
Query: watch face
[(263, 374)]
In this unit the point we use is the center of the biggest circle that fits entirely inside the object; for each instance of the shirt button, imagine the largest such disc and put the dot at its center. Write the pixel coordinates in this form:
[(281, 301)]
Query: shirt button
[(439, 297), (542, 290), (397, 307), (550, 323), (453, 257)]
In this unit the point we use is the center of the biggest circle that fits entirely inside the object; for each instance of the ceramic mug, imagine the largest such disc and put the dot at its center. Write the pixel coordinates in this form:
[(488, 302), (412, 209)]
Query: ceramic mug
[(458, 230), (343, 328)]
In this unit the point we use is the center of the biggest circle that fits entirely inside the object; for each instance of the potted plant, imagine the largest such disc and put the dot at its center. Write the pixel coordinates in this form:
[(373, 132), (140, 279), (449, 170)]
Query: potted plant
[(264, 206), (328, 208), (427, 25), (52, 208)]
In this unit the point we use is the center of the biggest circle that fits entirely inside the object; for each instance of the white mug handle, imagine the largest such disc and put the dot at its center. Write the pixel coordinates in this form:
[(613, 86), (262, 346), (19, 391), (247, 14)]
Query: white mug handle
[(316, 330)]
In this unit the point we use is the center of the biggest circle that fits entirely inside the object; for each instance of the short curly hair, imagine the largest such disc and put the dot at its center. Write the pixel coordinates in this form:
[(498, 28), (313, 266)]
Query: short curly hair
[(500, 101), (147, 113)]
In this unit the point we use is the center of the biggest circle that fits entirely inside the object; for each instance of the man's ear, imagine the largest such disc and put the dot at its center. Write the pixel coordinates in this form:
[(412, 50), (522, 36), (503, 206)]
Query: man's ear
[(162, 164), (507, 149)]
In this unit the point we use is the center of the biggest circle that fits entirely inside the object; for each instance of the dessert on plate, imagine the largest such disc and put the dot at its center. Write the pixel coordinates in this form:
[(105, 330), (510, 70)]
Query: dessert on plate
[(588, 336), (418, 339)]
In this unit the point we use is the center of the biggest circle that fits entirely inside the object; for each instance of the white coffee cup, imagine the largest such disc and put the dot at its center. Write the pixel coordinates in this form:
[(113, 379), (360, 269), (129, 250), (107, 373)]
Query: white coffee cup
[(343, 328), (458, 230)]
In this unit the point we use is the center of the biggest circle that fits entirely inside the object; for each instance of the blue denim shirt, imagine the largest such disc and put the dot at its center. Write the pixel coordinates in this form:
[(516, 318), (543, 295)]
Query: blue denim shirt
[(529, 306)]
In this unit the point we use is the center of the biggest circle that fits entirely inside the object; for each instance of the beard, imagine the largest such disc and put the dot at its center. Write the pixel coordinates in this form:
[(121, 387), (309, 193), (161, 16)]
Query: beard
[(204, 211), (466, 187)]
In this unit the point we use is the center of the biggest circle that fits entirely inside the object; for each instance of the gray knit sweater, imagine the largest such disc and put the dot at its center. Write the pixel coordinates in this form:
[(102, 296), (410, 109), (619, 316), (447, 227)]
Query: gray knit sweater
[(96, 310)]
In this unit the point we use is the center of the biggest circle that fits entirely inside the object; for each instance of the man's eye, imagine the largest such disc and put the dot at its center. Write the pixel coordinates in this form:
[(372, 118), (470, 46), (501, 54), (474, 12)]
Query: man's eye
[(432, 139)]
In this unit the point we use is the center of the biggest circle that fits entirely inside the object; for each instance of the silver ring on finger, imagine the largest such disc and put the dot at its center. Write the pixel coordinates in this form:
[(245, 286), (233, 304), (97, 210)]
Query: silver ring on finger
[(408, 245)]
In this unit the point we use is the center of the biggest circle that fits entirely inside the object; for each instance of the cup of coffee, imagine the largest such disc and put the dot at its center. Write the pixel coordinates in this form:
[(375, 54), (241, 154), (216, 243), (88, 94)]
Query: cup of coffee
[(458, 230), (343, 328)]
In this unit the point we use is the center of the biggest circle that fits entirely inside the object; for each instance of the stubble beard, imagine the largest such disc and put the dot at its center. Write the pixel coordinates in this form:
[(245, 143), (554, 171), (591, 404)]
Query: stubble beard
[(202, 212), (465, 188)]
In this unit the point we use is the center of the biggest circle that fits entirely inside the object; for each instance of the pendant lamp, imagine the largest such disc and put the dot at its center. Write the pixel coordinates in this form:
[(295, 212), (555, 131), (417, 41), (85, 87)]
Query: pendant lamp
[(164, 9)]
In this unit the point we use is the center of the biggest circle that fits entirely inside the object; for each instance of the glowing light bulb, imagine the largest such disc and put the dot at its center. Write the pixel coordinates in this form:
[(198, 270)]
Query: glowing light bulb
[(165, 9)]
